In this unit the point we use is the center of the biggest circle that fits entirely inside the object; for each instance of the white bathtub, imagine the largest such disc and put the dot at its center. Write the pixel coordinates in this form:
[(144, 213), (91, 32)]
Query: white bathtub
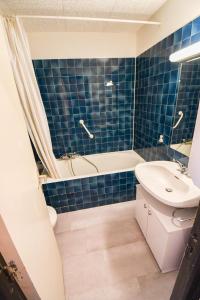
[(106, 163)]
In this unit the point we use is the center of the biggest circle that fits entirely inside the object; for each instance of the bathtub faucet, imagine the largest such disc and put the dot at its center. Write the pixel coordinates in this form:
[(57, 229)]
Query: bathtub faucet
[(71, 155)]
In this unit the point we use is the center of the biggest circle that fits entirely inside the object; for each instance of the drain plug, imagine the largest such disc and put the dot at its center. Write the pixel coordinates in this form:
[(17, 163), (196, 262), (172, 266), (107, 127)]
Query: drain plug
[(169, 190)]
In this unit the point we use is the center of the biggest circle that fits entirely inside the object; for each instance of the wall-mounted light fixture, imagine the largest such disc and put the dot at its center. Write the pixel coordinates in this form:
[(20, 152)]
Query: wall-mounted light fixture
[(188, 53)]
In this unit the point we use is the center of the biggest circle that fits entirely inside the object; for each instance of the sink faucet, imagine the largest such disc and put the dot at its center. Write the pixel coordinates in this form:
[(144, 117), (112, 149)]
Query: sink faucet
[(183, 169)]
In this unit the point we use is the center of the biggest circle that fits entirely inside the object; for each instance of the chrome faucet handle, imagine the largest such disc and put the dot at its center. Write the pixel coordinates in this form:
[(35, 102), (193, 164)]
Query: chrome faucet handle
[(66, 156), (178, 162), (183, 169)]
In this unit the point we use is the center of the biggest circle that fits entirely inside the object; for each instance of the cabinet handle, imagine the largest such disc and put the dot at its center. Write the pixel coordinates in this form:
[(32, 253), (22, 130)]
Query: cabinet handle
[(145, 206), (149, 212)]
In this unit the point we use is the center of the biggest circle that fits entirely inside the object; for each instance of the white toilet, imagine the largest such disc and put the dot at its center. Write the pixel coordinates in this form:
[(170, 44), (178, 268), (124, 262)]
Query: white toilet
[(52, 215)]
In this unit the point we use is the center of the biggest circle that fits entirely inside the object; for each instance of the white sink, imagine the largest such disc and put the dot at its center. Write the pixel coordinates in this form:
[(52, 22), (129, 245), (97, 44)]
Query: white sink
[(165, 183)]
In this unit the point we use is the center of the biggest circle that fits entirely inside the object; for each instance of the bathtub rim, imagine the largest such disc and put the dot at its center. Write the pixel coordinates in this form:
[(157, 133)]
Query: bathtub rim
[(53, 180)]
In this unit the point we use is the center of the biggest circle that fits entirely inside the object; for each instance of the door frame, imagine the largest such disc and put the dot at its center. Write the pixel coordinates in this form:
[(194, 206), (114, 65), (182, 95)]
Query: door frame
[(187, 285), (10, 253), (9, 287)]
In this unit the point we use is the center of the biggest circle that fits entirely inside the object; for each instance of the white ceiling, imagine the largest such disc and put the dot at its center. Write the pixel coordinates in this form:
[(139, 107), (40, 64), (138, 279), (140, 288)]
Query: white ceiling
[(127, 9)]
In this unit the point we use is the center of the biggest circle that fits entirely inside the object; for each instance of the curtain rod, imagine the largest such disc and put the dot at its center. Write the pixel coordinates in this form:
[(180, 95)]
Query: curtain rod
[(89, 19)]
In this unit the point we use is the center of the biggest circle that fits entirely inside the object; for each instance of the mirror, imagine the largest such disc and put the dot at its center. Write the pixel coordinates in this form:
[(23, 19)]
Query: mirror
[(187, 103)]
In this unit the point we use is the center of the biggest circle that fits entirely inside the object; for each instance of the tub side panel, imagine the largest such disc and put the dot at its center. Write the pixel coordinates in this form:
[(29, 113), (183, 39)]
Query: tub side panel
[(89, 192)]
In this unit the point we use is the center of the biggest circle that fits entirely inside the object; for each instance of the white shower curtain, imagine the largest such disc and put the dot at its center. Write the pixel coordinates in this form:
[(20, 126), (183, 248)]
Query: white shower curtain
[(29, 93)]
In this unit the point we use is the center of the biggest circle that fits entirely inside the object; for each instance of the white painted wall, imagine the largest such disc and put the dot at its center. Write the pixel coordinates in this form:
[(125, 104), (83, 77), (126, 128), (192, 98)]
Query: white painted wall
[(44, 45), (194, 161), (173, 15), (22, 204)]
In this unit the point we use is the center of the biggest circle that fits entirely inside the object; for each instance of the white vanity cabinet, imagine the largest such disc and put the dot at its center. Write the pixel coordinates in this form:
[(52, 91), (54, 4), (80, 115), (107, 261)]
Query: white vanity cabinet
[(166, 239)]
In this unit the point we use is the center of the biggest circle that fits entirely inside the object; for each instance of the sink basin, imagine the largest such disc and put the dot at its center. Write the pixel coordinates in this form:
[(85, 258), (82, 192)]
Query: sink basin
[(165, 183)]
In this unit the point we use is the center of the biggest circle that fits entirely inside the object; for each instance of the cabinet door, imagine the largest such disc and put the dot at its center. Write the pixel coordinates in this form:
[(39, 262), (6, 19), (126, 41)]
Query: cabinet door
[(141, 212), (156, 237)]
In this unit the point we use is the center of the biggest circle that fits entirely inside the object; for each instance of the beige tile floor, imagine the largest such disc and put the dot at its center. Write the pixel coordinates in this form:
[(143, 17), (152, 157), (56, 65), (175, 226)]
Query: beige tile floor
[(105, 256)]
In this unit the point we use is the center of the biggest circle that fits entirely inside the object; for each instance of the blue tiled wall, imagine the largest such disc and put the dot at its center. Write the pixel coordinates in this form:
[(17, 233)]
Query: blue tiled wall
[(89, 192), (74, 89), (156, 86), (187, 101)]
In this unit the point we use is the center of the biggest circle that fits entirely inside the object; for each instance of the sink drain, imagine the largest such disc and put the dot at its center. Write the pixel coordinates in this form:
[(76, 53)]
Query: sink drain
[(169, 190)]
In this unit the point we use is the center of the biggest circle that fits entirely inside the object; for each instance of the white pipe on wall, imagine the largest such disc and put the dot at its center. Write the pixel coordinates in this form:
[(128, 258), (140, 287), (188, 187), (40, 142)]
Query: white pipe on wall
[(90, 19)]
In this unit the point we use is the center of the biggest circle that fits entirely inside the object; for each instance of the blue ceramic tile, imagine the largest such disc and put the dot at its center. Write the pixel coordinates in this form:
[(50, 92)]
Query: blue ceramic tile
[(186, 42), (196, 26), (187, 31), (178, 35), (195, 38)]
